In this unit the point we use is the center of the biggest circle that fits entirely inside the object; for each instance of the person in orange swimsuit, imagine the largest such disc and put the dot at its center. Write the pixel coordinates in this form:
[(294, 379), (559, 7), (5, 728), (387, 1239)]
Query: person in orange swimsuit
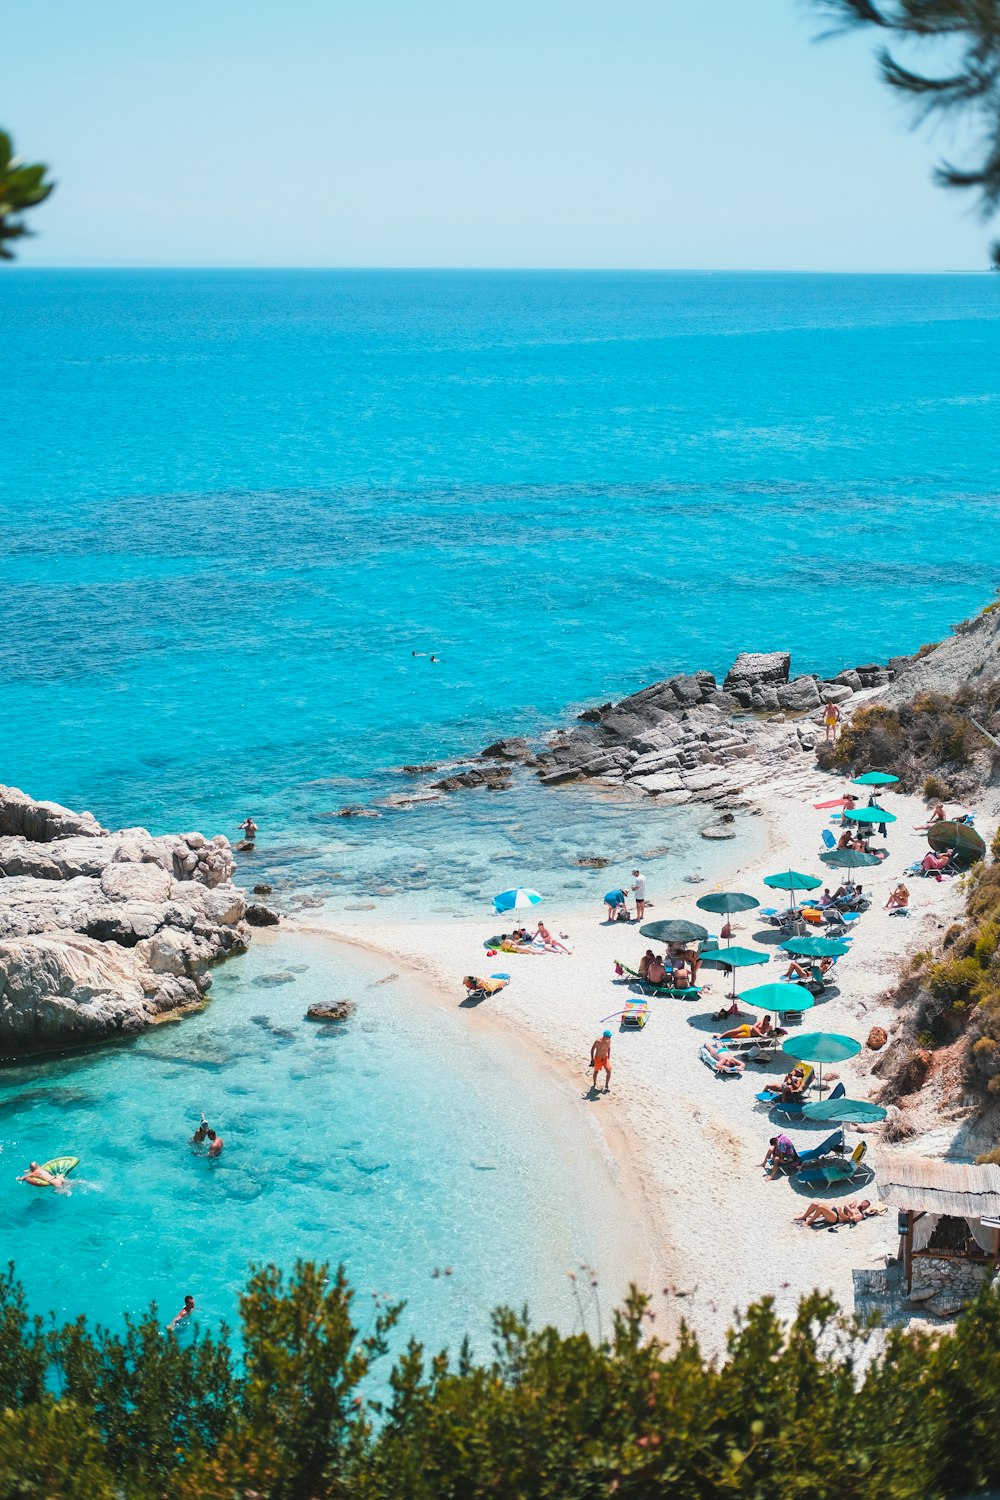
[(600, 1060)]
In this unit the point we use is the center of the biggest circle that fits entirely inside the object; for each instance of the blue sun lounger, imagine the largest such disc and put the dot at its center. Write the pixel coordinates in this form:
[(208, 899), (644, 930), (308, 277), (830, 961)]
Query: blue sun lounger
[(832, 1172)]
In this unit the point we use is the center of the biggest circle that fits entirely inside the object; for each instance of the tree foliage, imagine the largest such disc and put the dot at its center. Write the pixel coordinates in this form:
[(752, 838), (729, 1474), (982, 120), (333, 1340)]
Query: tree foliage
[(965, 87), (21, 187), (812, 1408)]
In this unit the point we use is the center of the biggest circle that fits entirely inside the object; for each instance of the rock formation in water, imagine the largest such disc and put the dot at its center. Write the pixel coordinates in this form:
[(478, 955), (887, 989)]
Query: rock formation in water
[(686, 739), (101, 932)]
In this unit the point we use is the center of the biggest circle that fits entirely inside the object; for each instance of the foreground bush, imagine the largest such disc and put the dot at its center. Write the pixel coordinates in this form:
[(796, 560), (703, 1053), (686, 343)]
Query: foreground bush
[(804, 1409)]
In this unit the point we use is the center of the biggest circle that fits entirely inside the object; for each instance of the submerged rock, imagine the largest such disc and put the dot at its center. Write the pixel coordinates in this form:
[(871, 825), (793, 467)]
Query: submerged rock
[(330, 1010)]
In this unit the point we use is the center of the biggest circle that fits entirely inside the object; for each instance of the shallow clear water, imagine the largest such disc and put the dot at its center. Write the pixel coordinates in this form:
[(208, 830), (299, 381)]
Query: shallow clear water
[(232, 507), (399, 1143)]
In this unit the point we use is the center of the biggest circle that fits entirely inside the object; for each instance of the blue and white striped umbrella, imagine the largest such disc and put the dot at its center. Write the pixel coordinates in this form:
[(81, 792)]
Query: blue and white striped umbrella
[(515, 900)]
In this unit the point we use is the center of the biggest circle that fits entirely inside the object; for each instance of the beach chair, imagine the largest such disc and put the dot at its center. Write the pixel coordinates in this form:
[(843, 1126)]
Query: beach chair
[(724, 1064), (635, 1014), (669, 991), (814, 1154), (793, 1110), (755, 1048), (772, 1093), (829, 842), (832, 1172)]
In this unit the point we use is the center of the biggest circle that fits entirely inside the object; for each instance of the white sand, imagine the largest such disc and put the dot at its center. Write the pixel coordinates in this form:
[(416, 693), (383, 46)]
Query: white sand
[(687, 1143)]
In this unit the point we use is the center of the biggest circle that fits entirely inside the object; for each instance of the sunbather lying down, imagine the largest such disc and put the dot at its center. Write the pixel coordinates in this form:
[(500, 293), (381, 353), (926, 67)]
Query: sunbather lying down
[(763, 1027), (483, 987), (719, 1060), (844, 1213)]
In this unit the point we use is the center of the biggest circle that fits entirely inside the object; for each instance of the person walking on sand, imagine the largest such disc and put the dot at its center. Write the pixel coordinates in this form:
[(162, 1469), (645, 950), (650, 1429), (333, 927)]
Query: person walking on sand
[(600, 1060), (832, 718), (639, 892)]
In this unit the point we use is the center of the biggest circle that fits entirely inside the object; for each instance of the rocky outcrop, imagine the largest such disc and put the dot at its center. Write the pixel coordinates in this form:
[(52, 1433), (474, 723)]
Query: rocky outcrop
[(101, 932), (687, 739)]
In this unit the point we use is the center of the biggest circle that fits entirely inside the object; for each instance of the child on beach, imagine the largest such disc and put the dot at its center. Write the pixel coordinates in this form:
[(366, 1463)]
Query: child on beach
[(600, 1060)]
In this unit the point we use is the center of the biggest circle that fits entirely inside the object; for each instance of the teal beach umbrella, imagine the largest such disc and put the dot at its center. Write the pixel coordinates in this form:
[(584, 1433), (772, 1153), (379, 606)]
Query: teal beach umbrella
[(874, 778), (724, 903), (792, 881), (848, 1111), (870, 815), (815, 947), (790, 999), (727, 902), (849, 859), (674, 931), (821, 1047), (734, 958)]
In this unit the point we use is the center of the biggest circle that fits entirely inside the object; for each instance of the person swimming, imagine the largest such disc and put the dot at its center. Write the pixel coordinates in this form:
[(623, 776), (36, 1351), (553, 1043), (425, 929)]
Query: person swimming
[(42, 1177), (185, 1312)]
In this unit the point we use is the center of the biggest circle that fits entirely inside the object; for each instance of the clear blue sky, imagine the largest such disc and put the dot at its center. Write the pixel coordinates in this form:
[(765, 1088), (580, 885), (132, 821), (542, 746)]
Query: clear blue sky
[(576, 133)]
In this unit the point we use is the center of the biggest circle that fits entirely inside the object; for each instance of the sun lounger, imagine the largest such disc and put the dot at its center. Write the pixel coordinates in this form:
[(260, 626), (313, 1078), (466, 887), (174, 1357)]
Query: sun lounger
[(832, 1172), (793, 1109), (815, 1154), (754, 1048), (772, 1094), (829, 842), (834, 1142), (722, 1062), (636, 1013), (671, 992)]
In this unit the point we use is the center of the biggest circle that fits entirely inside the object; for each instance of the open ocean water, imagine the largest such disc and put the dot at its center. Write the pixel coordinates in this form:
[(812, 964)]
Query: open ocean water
[(234, 504)]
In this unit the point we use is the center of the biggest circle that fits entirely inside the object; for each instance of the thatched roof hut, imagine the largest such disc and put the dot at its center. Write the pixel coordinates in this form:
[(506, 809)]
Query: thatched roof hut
[(948, 1210), (938, 1187)]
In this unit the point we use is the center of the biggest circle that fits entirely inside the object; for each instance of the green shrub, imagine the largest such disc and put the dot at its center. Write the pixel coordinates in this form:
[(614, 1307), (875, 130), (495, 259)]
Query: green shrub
[(929, 742), (811, 1407)]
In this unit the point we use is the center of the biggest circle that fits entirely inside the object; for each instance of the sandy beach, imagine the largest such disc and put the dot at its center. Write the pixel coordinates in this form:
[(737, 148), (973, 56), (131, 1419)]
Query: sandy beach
[(685, 1144)]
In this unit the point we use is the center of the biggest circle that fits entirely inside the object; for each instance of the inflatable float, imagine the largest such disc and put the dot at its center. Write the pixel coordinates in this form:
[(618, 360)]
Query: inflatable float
[(59, 1166)]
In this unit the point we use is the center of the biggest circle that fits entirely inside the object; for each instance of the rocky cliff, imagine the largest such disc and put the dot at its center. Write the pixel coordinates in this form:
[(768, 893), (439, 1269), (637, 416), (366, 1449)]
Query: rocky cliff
[(101, 932)]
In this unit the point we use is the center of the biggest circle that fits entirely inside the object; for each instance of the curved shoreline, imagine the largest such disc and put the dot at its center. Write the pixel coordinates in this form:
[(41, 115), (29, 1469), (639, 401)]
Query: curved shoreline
[(687, 1142), (632, 1244)]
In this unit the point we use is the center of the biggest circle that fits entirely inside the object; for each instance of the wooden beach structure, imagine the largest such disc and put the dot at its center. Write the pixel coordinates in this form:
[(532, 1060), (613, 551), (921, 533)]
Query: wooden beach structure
[(949, 1217)]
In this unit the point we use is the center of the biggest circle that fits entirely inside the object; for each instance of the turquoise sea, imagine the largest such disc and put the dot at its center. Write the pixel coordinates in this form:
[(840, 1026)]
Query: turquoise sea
[(232, 507)]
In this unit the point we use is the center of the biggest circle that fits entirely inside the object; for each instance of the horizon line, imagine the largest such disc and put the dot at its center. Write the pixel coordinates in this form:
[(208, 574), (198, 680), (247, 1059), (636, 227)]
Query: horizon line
[(524, 270)]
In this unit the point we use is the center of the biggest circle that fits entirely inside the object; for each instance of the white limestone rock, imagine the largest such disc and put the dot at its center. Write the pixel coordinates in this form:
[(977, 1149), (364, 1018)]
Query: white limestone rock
[(99, 930)]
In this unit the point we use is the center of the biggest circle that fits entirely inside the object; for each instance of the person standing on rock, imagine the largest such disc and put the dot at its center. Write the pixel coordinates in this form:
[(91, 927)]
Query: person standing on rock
[(639, 892), (832, 718)]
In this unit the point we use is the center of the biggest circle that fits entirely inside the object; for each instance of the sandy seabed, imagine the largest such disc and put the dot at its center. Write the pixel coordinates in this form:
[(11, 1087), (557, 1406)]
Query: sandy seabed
[(688, 1213)]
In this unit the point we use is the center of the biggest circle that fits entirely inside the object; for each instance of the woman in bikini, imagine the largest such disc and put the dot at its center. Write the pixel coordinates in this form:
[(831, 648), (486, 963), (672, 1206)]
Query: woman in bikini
[(845, 1213)]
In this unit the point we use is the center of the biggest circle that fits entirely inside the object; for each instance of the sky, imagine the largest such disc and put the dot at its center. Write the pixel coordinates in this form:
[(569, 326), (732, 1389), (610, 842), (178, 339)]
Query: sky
[(663, 134)]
